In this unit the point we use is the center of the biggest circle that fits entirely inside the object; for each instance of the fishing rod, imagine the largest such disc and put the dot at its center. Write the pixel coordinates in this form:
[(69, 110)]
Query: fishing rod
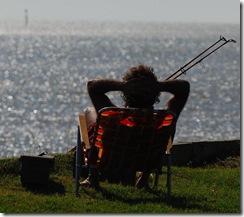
[(200, 57)]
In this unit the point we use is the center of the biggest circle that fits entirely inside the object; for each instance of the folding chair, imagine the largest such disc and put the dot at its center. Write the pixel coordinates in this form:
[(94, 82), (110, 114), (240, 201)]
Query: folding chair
[(129, 139)]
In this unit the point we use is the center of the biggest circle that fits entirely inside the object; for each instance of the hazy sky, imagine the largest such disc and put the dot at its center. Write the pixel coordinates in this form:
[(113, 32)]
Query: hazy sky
[(218, 11)]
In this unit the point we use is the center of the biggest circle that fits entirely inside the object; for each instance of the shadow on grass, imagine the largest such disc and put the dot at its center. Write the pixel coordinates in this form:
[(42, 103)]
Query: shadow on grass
[(156, 196), (50, 188)]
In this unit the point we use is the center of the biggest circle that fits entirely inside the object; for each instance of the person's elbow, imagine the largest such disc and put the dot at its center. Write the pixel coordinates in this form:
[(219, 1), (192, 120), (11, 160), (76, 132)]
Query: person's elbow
[(91, 85), (183, 89), (186, 87)]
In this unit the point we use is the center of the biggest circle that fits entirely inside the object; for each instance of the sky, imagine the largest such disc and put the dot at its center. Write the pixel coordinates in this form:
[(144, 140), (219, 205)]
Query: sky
[(201, 11)]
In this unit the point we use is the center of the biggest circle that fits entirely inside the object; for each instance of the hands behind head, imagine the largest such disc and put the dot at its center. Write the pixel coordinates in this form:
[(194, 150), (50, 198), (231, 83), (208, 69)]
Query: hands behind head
[(141, 87)]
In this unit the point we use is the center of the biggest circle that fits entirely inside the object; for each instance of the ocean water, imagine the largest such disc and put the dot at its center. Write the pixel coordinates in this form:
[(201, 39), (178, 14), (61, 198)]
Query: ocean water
[(44, 69)]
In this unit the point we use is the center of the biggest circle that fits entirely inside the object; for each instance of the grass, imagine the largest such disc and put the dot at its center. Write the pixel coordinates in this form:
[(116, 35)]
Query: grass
[(214, 188)]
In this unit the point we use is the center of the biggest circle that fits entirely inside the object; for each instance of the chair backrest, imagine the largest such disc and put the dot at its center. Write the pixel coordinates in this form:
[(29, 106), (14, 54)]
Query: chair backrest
[(130, 138)]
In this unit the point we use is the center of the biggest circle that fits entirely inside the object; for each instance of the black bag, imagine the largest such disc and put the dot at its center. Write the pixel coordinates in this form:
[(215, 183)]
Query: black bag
[(36, 169)]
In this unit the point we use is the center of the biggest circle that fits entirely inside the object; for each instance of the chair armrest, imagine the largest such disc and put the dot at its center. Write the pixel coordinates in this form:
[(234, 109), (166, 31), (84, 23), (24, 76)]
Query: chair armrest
[(83, 129)]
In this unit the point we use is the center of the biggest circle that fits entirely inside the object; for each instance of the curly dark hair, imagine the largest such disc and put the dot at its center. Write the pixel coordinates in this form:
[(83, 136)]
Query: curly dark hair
[(144, 72)]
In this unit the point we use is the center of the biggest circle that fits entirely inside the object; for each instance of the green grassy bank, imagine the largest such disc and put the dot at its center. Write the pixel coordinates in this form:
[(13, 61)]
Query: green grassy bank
[(213, 188)]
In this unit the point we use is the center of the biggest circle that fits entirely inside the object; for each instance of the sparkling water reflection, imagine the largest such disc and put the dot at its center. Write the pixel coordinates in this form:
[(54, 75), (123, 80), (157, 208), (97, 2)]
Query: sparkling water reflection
[(45, 69)]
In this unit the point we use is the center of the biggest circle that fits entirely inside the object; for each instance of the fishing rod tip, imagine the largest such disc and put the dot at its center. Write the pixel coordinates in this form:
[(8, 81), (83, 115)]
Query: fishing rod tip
[(222, 38)]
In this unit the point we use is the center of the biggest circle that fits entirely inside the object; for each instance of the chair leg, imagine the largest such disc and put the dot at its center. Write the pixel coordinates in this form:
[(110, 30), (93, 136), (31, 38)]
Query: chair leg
[(78, 163), (168, 177)]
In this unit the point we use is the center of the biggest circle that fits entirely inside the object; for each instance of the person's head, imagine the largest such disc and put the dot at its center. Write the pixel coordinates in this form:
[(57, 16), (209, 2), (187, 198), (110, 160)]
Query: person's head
[(139, 100)]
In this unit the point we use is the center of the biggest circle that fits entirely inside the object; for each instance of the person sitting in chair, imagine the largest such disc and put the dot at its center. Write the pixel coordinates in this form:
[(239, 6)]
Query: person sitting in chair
[(140, 89)]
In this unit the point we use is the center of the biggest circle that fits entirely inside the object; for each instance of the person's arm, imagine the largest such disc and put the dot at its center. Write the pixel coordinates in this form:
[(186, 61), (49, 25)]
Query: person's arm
[(180, 90), (97, 90)]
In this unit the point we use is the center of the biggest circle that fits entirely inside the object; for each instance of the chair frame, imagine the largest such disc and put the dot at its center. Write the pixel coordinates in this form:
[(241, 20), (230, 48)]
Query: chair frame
[(82, 141)]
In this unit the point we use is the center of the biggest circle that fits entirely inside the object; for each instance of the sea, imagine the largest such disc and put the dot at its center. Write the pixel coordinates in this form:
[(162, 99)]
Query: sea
[(45, 66)]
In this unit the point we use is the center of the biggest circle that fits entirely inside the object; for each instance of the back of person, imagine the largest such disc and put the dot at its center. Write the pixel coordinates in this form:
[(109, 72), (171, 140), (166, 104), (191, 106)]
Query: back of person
[(140, 89)]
